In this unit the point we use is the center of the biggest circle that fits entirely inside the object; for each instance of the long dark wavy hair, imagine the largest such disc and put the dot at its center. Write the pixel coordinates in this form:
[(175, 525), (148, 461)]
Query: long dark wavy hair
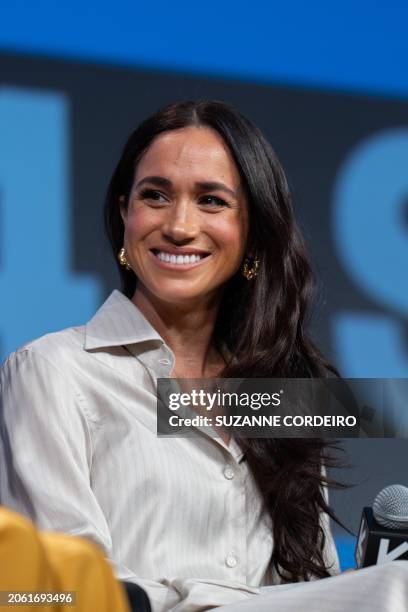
[(260, 322)]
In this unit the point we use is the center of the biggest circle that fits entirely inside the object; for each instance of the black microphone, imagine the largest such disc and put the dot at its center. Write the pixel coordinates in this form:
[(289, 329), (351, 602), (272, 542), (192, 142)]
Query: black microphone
[(383, 534)]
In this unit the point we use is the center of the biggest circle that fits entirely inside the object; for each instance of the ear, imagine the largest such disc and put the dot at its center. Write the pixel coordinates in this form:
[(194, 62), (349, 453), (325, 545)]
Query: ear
[(123, 207)]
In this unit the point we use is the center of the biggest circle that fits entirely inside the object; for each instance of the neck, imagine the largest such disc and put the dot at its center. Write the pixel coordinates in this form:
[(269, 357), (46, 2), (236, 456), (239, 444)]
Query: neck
[(187, 328)]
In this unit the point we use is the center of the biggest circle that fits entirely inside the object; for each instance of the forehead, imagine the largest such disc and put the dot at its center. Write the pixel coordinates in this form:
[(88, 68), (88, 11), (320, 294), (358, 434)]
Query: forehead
[(198, 153)]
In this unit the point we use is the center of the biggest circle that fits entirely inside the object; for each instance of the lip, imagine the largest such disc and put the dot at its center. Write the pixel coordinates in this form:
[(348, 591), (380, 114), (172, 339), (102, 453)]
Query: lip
[(165, 265), (180, 250)]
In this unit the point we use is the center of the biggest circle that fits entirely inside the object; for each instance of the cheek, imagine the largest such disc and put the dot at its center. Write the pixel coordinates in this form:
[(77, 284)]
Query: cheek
[(230, 234), (139, 222)]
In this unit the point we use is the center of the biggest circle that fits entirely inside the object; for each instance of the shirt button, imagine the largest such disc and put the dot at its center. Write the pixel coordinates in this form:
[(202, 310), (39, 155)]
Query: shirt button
[(229, 473), (164, 361), (231, 560)]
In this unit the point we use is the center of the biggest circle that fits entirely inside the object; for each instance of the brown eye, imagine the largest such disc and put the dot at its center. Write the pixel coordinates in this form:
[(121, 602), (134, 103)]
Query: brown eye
[(151, 194), (212, 200)]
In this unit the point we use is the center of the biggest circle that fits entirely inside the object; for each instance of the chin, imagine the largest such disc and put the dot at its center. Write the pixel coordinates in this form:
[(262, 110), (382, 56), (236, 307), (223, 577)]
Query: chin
[(180, 295)]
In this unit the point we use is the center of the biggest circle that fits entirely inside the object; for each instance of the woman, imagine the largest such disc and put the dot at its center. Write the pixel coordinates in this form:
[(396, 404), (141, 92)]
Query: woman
[(215, 283)]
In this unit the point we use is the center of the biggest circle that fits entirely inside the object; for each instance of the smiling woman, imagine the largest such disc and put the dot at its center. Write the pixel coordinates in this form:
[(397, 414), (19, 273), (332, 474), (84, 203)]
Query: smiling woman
[(215, 283), (185, 220), (198, 180)]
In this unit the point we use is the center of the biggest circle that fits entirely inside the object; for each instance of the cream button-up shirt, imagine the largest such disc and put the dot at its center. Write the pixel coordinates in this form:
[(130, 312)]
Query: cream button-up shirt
[(179, 516)]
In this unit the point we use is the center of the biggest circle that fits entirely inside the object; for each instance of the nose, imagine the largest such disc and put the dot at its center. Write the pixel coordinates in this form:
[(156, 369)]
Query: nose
[(181, 223)]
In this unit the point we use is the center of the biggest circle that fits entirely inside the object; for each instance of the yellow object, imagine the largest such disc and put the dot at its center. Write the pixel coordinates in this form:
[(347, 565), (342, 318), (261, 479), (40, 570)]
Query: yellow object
[(37, 562)]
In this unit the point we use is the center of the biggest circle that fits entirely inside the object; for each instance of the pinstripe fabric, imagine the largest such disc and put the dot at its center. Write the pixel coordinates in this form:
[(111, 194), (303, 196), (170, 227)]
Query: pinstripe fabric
[(379, 588), (181, 517)]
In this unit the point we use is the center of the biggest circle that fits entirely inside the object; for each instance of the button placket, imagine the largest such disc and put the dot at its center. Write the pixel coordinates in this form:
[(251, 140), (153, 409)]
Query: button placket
[(236, 558), (231, 560), (164, 361), (229, 472), (165, 358)]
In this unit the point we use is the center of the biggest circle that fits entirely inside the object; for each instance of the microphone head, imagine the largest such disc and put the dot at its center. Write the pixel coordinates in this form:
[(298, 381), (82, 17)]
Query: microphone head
[(390, 507)]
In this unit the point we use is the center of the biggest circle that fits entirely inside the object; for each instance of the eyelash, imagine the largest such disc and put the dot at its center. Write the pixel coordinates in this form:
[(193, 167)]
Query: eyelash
[(149, 194), (219, 201)]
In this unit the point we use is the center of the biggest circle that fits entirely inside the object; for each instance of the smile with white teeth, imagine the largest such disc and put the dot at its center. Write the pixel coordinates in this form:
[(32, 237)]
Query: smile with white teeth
[(178, 259)]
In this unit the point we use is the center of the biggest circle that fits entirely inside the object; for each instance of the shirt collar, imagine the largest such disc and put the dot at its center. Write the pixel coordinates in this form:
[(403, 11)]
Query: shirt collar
[(118, 322)]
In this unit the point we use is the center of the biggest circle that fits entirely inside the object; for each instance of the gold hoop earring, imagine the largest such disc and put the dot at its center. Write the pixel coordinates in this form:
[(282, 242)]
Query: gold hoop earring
[(250, 272), (122, 259)]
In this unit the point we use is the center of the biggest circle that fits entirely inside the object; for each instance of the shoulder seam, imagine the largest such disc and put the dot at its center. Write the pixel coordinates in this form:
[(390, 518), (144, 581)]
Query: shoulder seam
[(78, 394)]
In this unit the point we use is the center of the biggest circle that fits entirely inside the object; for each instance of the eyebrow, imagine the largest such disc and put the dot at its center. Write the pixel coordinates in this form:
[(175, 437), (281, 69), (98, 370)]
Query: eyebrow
[(160, 181)]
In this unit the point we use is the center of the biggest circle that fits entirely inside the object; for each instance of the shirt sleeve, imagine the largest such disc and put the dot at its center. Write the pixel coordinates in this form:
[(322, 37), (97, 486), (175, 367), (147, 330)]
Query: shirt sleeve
[(46, 452), (48, 448)]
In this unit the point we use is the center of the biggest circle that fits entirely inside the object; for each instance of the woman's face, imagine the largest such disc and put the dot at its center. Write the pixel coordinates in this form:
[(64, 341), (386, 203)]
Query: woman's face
[(186, 224)]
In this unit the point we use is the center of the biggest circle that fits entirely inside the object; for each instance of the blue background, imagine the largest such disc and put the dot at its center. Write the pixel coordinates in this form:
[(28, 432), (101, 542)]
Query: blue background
[(358, 48), (349, 46)]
